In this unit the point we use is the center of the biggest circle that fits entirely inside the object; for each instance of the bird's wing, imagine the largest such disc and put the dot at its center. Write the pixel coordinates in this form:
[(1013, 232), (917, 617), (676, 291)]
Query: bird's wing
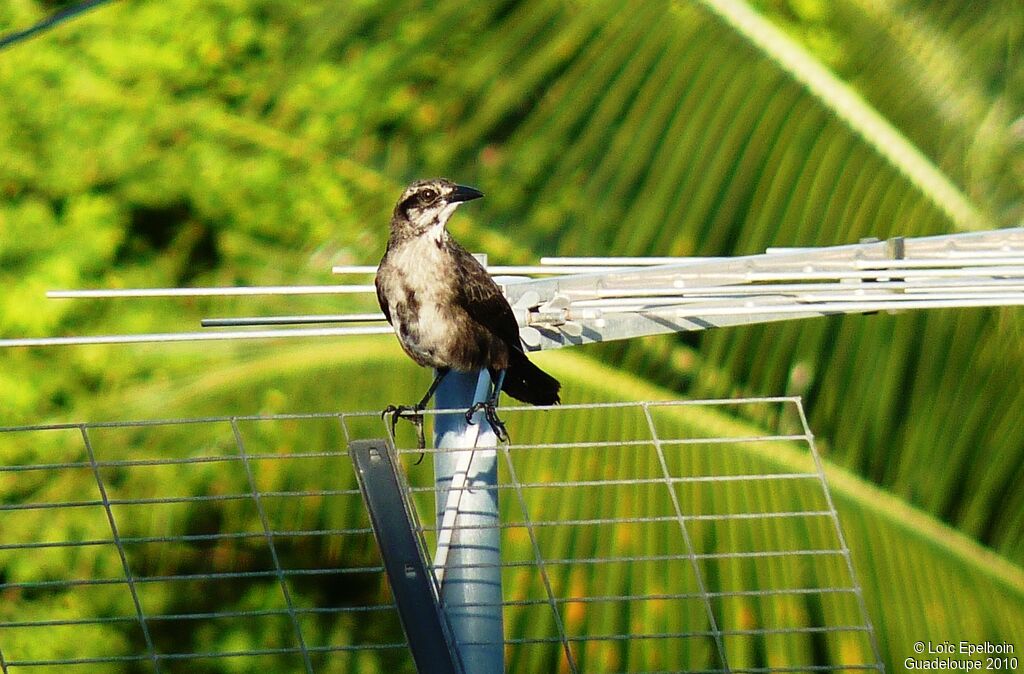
[(382, 300), (481, 298)]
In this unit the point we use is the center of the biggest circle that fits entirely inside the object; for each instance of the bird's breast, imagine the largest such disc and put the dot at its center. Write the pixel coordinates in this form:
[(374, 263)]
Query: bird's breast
[(418, 282), (421, 265)]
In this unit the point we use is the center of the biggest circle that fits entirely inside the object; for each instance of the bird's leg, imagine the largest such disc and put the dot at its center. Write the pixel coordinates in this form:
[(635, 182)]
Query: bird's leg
[(439, 374), (489, 407), (414, 413)]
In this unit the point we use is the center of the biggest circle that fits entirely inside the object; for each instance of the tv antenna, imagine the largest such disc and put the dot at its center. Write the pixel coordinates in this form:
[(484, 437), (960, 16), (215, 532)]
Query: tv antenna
[(564, 302)]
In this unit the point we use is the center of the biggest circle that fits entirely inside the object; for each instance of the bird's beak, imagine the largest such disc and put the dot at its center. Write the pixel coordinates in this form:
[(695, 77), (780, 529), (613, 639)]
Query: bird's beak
[(463, 193)]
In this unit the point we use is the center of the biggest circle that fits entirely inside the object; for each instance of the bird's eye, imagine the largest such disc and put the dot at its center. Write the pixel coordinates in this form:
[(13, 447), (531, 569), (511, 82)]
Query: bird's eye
[(427, 196)]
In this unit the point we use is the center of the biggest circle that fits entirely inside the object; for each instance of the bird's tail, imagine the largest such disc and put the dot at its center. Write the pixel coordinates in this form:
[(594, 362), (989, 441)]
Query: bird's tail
[(526, 382)]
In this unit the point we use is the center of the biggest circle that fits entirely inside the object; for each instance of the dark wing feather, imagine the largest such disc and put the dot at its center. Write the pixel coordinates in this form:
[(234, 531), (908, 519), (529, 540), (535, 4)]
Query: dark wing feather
[(481, 298)]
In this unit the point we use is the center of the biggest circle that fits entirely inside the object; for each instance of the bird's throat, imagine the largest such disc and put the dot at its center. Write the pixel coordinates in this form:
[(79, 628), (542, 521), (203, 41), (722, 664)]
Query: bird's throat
[(437, 231)]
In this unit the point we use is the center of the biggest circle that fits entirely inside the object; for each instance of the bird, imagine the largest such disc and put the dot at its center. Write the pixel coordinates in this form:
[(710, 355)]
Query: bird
[(447, 311)]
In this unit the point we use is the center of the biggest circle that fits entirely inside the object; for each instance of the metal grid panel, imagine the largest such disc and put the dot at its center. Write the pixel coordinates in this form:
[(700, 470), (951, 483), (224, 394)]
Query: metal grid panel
[(648, 544)]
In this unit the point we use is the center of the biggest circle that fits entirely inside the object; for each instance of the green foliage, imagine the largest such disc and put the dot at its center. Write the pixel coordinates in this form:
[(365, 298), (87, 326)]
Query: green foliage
[(257, 142)]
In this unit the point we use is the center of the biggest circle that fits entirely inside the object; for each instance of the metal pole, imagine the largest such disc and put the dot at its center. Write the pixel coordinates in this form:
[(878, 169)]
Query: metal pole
[(468, 557)]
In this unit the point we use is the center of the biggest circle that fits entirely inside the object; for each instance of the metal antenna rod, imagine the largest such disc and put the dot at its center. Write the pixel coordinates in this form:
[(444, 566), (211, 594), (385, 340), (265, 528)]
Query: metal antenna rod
[(230, 291), (494, 270), (194, 336), (237, 322), (619, 298)]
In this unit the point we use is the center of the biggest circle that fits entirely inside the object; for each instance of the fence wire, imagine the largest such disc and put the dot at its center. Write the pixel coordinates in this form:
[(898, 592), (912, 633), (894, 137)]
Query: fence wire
[(667, 537)]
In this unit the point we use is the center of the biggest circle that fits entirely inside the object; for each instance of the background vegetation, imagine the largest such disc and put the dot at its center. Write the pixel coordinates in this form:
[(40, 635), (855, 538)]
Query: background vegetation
[(258, 142)]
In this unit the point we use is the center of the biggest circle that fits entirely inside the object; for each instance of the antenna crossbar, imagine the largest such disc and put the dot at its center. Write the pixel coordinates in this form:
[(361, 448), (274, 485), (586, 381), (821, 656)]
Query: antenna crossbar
[(594, 299)]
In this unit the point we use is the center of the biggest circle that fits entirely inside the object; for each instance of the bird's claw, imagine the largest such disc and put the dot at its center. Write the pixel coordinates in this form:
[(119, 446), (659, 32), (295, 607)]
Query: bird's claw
[(411, 412), (491, 414)]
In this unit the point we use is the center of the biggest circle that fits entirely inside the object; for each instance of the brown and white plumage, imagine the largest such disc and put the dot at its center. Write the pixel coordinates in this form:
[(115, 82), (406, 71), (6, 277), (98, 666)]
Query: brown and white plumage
[(447, 311)]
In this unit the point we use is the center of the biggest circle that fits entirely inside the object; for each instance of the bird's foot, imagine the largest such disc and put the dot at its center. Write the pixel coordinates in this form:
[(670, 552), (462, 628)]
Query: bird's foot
[(491, 414), (413, 413)]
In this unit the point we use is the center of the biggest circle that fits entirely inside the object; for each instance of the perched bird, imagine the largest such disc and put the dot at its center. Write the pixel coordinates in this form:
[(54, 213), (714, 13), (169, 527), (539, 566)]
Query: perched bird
[(447, 311)]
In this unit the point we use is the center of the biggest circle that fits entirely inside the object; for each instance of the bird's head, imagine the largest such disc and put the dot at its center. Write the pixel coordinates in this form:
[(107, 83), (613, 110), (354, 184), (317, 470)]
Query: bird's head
[(426, 205)]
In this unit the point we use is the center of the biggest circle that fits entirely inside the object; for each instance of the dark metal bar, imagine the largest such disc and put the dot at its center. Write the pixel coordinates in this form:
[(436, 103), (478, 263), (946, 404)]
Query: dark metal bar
[(45, 24), (395, 527), (311, 319)]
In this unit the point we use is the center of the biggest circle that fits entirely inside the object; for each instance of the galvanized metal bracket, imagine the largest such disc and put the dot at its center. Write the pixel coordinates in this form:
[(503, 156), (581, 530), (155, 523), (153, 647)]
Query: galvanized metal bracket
[(394, 525)]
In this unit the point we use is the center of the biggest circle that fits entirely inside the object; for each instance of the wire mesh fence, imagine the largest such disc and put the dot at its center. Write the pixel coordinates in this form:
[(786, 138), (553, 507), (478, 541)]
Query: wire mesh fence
[(663, 537)]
